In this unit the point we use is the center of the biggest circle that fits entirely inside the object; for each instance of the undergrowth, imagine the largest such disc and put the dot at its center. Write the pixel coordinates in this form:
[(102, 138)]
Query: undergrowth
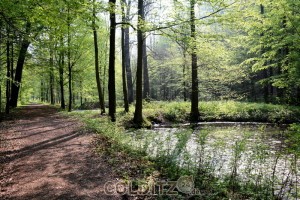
[(178, 112), (132, 160)]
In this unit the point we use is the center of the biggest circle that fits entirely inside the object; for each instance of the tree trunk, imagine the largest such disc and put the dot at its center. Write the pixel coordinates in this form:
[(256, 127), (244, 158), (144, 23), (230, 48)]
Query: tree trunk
[(70, 84), (184, 76), (97, 71), (69, 63), (52, 98), (81, 102), (146, 91), (19, 69), (125, 91), (194, 96), (61, 79), (138, 114), (42, 93), (8, 65), (11, 63), (127, 55), (111, 66)]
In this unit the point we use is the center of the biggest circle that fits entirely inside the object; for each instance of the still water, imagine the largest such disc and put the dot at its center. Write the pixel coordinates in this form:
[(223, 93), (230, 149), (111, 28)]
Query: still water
[(254, 152)]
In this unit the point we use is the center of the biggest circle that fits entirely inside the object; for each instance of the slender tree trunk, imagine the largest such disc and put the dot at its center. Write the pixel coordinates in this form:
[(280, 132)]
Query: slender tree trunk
[(138, 114), (73, 86), (125, 92), (81, 102), (11, 63), (111, 67), (8, 65), (104, 81), (42, 91), (69, 64), (146, 82), (52, 98), (61, 77), (19, 69), (127, 55), (61, 84), (194, 96), (70, 84), (97, 71), (184, 76)]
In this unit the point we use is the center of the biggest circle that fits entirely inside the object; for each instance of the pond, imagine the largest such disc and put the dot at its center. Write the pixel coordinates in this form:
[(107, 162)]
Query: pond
[(251, 152)]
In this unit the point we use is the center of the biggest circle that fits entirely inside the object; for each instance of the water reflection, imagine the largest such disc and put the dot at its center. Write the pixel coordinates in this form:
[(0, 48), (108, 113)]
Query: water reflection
[(251, 152)]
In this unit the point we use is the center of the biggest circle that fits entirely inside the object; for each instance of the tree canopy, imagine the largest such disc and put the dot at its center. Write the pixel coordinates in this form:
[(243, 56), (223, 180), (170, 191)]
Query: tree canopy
[(66, 52)]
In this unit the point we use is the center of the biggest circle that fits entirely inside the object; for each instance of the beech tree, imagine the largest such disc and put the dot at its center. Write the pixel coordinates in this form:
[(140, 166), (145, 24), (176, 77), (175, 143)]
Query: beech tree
[(195, 90), (138, 113), (111, 67), (125, 54), (97, 70)]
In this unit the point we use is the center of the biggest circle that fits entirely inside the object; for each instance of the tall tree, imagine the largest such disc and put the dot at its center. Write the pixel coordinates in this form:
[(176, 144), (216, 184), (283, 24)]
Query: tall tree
[(96, 50), (194, 94), (51, 73), (61, 63), (69, 58), (138, 114), (20, 64), (124, 57), (146, 81), (127, 52), (8, 71), (111, 66)]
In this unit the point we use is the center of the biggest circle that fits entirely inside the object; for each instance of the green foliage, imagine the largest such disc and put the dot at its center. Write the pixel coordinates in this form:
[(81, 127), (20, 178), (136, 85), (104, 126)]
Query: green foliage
[(178, 112), (171, 161), (293, 139)]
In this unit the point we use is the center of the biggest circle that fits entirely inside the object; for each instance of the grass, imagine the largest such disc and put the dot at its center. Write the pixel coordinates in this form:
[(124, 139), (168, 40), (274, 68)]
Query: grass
[(132, 162), (178, 112)]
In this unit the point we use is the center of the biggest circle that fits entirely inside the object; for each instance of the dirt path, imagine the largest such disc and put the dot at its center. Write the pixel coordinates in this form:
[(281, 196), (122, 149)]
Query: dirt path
[(47, 156)]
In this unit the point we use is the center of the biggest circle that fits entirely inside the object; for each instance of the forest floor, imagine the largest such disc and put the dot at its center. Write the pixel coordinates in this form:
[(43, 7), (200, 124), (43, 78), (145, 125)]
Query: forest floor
[(45, 155)]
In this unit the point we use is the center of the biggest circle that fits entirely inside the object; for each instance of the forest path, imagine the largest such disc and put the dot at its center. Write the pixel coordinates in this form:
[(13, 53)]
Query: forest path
[(45, 155)]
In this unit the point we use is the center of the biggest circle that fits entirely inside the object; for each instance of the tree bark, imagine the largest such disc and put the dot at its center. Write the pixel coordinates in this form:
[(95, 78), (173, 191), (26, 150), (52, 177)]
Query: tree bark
[(19, 69), (42, 92), (69, 62), (61, 79), (61, 74), (11, 63), (124, 82), (138, 114), (194, 96), (184, 76), (111, 66), (8, 65), (97, 71), (51, 63), (127, 55), (146, 91)]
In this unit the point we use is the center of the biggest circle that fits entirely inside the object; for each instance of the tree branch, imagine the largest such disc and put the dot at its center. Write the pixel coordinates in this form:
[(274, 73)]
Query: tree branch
[(183, 22), (126, 23)]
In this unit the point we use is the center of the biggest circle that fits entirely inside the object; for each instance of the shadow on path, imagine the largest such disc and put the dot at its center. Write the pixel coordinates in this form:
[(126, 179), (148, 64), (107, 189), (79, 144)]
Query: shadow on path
[(48, 156)]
